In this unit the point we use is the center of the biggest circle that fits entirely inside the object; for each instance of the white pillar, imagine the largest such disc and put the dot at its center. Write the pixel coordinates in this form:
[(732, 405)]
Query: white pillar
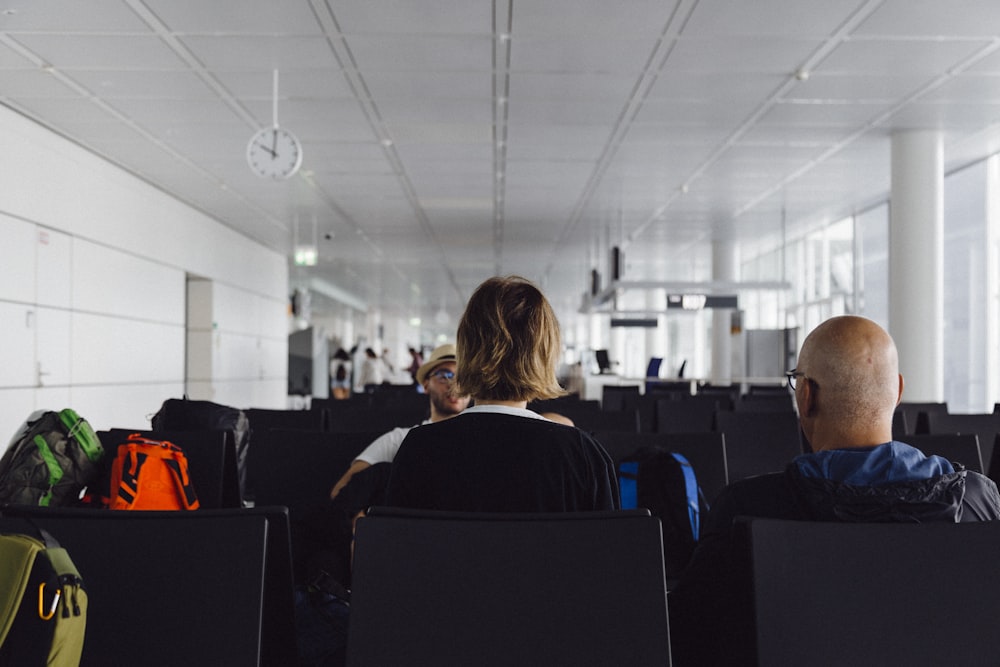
[(725, 267), (916, 262)]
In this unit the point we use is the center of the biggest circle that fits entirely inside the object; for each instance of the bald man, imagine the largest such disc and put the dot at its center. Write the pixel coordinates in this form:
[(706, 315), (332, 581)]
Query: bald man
[(846, 384)]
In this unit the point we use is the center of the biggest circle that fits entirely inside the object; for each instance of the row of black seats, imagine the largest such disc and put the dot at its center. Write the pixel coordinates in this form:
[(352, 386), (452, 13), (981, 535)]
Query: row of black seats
[(214, 588), (589, 589), (210, 587)]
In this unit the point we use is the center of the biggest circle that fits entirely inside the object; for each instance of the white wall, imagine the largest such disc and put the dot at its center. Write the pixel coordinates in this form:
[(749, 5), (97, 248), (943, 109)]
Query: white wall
[(94, 267)]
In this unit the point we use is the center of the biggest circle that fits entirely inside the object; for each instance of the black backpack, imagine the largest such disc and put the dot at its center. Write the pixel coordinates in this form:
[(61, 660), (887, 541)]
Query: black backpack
[(182, 414), (663, 482), (52, 458)]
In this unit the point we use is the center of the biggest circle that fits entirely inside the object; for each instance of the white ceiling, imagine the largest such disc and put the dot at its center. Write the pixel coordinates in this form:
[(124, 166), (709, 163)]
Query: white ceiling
[(449, 140)]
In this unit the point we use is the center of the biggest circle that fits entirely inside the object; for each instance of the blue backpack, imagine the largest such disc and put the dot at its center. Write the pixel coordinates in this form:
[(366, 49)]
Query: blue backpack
[(664, 482)]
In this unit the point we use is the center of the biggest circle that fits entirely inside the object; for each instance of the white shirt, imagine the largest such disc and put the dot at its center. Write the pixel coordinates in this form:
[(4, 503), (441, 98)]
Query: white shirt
[(383, 448)]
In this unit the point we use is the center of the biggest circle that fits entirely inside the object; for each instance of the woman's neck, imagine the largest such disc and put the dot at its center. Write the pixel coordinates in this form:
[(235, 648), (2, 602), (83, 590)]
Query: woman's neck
[(510, 404)]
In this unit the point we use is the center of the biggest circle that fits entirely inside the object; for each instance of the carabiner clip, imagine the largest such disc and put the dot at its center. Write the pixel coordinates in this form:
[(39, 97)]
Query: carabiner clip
[(41, 602)]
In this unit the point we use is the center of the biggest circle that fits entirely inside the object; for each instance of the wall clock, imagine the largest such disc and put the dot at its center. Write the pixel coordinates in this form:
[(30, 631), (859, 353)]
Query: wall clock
[(275, 153)]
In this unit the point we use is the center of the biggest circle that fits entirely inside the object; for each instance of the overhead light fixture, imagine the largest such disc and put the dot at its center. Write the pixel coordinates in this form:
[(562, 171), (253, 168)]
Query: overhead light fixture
[(305, 256), (304, 253)]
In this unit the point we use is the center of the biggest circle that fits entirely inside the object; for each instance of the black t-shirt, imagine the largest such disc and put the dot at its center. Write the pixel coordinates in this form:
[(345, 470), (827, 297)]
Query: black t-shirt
[(497, 462)]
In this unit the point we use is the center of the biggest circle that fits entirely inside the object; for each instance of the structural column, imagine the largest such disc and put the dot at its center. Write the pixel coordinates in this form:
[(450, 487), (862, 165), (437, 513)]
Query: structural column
[(916, 262), (725, 267)]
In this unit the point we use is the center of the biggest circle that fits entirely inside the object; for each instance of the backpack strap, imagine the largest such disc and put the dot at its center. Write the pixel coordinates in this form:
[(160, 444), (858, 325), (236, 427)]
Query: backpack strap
[(628, 484), (691, 486)]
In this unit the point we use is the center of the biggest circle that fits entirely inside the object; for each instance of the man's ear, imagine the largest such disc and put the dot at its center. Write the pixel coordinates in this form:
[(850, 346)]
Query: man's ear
[(808, 397), (899, 398)]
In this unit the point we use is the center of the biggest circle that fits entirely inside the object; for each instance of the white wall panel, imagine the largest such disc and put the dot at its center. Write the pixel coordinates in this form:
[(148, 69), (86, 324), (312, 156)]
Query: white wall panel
[(46, 178), (17, 345), (123, 406), (93, 268), (238, 394), (235, 356), (54, 268), (236, 310), (17, 260), (272, 320), (273, 358), (116, 283), (53, 346), (15, 406), (53, 398), (271, 394), (115, 350)]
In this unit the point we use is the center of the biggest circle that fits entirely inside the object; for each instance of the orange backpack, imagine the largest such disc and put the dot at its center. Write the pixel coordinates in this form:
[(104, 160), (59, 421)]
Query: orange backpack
[(151, 475)]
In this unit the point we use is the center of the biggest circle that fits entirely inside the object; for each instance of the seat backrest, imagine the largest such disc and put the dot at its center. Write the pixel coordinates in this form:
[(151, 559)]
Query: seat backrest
[(957, 448), (208, 587), (433, 588), (603, 361), (873, 594), (262, 419), (691, 414), (765, 402), (914, 421), (986, 426), (758, 442), (900, 425), (615, 398), (297, 469), (363, 418), (706, 452)]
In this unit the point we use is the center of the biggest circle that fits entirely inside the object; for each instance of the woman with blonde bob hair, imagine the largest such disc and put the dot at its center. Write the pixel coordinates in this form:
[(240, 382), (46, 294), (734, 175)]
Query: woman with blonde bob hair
[(498, 456), (508, 343)]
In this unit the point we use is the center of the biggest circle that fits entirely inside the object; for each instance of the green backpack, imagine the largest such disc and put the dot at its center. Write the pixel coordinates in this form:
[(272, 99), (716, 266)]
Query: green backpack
[(43, 605), (51, 459)]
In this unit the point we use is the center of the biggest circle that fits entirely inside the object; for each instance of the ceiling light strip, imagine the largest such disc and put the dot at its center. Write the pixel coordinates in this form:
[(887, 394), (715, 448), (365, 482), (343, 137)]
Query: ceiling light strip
[(664, 45), (345, 57), (503, 22)]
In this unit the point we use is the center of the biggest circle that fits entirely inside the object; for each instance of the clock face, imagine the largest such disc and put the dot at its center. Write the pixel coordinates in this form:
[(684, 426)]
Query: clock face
[(274, 152)]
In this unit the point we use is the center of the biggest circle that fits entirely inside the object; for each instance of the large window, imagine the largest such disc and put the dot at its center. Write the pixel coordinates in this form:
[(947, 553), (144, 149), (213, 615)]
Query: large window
[(844, 267), (967, 291)]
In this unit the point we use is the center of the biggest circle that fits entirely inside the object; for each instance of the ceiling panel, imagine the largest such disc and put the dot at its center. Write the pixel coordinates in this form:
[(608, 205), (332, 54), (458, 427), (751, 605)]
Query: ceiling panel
[(432, 17), (899, 57), (146, 52), (261, 17), (557, 53), (414, 53), (929, 18), (623, 18), (262, 53), (61, 16)]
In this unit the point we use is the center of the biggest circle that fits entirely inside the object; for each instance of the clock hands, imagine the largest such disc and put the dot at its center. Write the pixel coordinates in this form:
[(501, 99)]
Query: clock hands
[(273, 153)]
